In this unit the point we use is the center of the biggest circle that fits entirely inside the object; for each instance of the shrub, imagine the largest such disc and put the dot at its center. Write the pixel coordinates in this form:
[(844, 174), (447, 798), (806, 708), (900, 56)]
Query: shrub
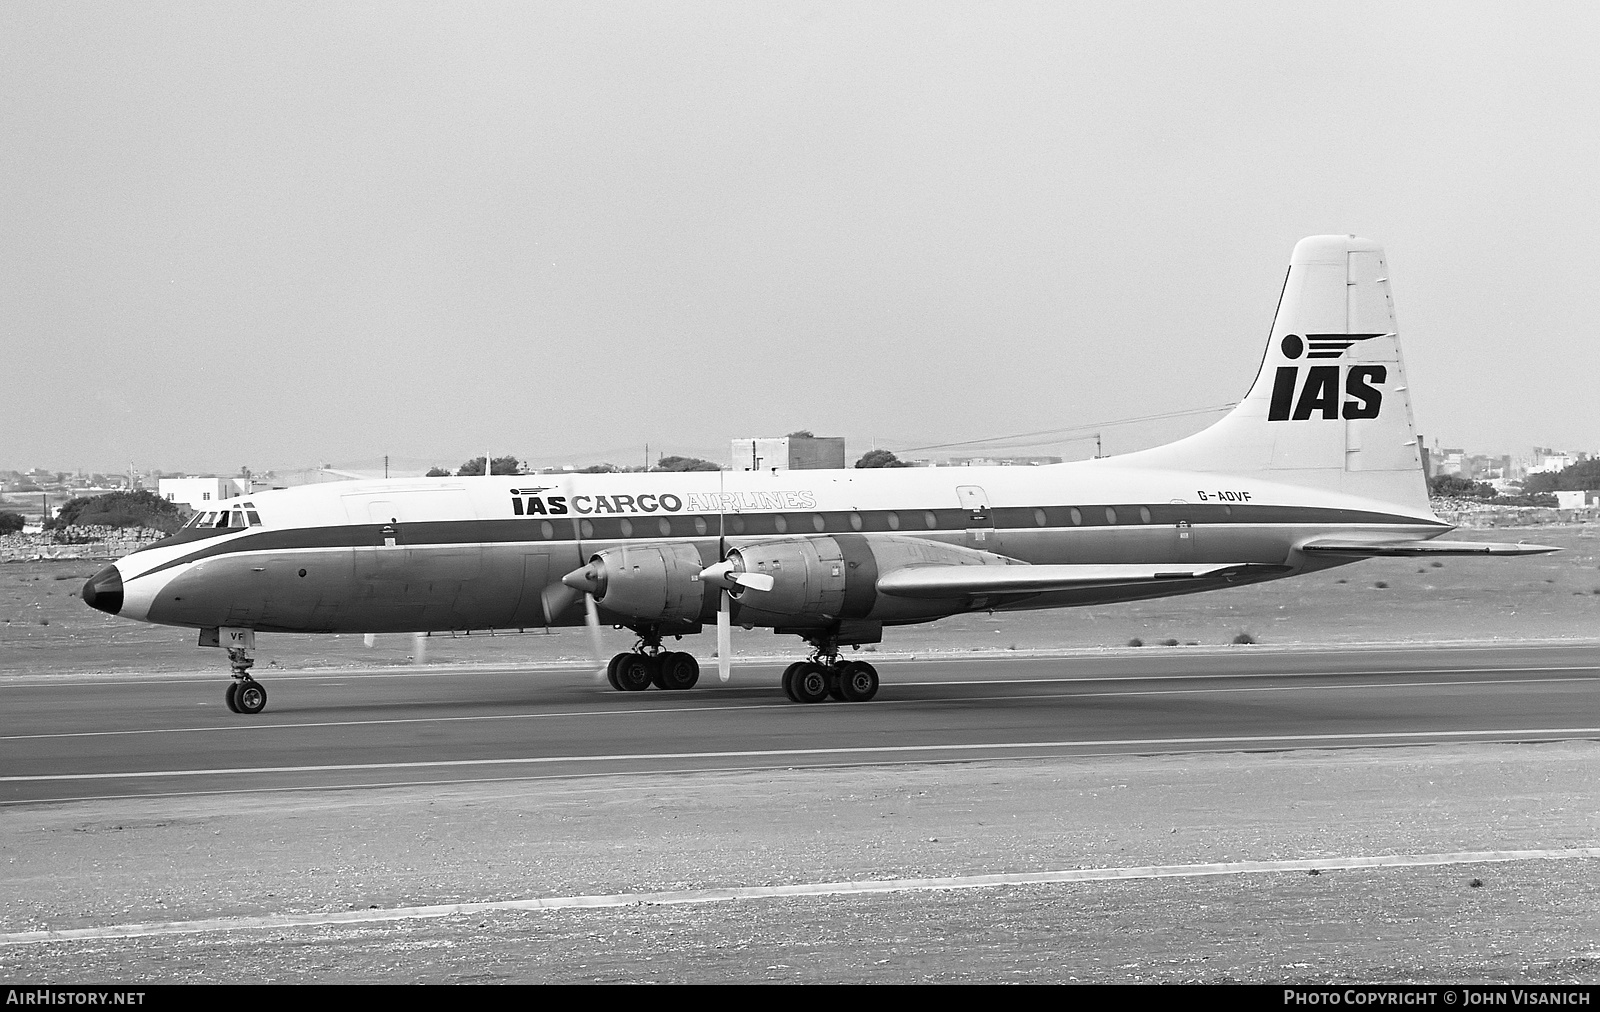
[(1169, 643), (1381, 585), (1136, 642), (1243, 638), (10, 523)]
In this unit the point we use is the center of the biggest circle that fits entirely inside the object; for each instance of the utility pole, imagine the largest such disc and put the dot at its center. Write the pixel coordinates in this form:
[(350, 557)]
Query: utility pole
[(386, 465)]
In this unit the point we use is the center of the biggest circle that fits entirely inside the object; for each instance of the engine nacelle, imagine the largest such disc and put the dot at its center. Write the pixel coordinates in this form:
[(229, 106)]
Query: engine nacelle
[(819, 581), (657, 584)]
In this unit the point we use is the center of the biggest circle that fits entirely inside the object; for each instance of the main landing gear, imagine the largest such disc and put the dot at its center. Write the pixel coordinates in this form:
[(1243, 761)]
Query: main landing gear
[(245, 694), (820, 678), (647, 664), (823, 675)]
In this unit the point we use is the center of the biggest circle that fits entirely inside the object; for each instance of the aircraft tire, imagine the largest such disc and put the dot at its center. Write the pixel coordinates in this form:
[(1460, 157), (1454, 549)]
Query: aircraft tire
[(633, 674), (611, 670), (679, 671), (788, 680), (250, 696), (836, 682), (810, 683), (233, 688), (858, 680)]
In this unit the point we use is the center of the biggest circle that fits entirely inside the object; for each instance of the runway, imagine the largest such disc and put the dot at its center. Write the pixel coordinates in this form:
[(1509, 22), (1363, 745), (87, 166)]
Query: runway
[(104, 737)]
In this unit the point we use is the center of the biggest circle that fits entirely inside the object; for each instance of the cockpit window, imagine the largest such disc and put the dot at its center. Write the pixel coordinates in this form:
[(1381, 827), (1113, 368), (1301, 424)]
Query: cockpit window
[(255, 518), (236, 518)]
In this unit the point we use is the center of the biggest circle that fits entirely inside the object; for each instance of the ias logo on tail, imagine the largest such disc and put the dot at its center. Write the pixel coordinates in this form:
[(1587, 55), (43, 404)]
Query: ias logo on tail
[(1318, 393)]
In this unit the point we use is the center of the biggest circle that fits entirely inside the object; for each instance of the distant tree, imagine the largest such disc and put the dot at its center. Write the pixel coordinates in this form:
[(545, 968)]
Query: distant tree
[(801, 434), (880, 458), (599, 469), (1454, 486), (119, 509), (501, 465), (685, 464), (10, 523), (440, 472), (1583, 475)]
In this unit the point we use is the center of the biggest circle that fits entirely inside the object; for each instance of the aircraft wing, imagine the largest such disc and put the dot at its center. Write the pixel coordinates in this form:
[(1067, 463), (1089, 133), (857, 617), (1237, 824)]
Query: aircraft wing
[(944, 582), (1371, 549)]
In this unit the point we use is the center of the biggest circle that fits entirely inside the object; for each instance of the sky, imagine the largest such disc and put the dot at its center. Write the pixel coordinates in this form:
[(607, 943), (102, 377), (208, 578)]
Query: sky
[(282, 234)]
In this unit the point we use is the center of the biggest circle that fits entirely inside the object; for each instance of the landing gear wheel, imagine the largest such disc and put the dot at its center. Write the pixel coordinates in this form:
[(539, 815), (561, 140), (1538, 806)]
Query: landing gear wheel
[(611, 670), (249, 696), (810, 683), (233, 687), (679, 671), (836, 682), (788, 680), (657, 667), (858, 681), (633, 673)]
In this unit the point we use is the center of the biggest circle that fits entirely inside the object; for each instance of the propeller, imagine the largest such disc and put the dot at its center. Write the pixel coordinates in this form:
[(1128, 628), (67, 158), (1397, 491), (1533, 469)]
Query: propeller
[(726, 576), (591, 618), (589, 580)]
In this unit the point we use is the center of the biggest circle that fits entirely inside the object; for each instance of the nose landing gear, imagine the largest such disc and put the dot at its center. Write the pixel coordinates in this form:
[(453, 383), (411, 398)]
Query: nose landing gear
[(244, 694)]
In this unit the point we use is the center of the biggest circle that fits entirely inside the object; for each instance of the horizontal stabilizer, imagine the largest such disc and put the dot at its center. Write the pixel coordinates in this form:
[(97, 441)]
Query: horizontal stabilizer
[(945, 582), (1376, 549)]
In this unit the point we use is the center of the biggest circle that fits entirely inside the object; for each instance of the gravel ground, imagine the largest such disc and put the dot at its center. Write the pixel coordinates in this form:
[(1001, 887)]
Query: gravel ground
[(99, 863)]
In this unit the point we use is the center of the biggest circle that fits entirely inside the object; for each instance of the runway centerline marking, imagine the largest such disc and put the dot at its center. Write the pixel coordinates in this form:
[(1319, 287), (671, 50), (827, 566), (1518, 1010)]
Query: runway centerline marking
[(864, 887), (805, 752), (739, 707)]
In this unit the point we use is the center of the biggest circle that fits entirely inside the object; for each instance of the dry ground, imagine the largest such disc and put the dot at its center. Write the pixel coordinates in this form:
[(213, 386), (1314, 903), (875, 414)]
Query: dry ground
[(97, 863)]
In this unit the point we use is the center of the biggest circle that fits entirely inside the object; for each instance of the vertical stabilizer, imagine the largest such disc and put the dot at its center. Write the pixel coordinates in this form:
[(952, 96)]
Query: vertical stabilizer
[(1330, 407)]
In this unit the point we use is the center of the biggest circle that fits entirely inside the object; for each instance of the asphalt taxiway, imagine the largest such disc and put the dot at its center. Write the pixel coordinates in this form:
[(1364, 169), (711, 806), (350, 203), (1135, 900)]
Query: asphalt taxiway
[(121, 736)]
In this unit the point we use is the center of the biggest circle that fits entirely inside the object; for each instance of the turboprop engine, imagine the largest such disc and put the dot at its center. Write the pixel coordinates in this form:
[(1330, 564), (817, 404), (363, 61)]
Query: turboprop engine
[(656, 584), (788, 584)]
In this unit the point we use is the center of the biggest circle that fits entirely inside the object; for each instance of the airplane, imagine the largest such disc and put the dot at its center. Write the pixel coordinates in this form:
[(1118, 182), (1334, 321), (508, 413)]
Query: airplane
[(1318, 466)]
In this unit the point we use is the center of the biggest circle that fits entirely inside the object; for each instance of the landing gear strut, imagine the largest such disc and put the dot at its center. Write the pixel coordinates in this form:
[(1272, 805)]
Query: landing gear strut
[(245, 694), (823, 675), (647, 664)]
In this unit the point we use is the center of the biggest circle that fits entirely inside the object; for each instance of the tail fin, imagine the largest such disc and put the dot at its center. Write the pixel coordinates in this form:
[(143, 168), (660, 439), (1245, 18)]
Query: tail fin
[(1329, 408)]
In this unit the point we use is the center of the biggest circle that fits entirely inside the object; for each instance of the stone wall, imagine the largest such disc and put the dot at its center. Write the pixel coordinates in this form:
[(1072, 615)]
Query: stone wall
[(76, 543)]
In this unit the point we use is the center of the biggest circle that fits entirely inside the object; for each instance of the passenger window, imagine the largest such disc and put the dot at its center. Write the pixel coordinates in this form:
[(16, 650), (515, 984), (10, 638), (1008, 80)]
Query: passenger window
[(1144, 514), (894, 521), (1038, 517), (665, 527), (627, 528), (1111, 515), (929, 519), (855, 521), (547, 529), (737, 523), (586, 529), (699, 525), (780, 523), (818, 522), (1077, 517)]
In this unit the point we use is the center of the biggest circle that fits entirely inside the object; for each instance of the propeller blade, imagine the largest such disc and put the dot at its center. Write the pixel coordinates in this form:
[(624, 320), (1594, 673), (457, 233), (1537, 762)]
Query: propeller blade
[(724, 640), (591, 617), (723, 575)]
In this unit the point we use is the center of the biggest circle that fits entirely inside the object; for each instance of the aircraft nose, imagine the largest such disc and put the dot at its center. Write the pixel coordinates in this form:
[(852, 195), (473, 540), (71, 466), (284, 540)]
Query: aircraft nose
[(104, 591)]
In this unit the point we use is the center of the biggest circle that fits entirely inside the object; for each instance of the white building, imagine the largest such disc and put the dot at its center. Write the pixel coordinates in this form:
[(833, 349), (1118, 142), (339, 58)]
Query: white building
[(199, 493)]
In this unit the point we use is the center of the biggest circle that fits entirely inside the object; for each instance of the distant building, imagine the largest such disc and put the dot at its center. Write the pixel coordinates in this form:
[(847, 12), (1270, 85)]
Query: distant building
[(988, 461), (198, 493), (788, 453), (1578, 500)]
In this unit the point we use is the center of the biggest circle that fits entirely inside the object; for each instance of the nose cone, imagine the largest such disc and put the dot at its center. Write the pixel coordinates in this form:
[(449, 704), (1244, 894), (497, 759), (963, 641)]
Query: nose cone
[(104, 591)]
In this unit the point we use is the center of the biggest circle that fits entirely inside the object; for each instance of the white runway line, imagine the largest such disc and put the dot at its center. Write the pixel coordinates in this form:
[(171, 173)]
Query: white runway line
[(868, 887), (1244, 741)]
